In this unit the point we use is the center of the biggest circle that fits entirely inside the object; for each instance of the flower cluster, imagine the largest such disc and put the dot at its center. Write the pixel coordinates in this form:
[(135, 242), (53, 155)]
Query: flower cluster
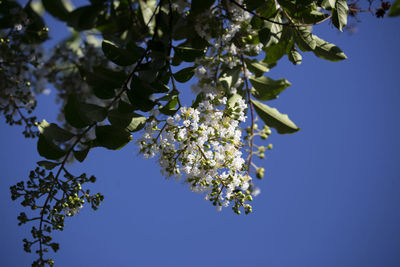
[(202, 145), (228, 29)]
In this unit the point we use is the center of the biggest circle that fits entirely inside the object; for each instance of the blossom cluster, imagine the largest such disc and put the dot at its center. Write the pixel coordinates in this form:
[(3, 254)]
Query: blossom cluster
[(227, 29), (202, 146)]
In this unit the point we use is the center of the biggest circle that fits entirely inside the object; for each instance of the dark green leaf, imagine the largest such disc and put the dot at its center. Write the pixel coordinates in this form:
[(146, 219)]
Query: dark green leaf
[(124, 107), (56, 8), (48, 165), (73, 115), (140, 101), (188, 54), (267, 9), (104, 93), (80, 115), (169, 108), (118, 55), (104, 81), (395, 9), (184, 75), (85, 17), (273, 118), (265, 88), (80, 155), (131, 121), (198, 6), (48, 149), (112, 137), (53, 132), (253, 4), (93, 112)]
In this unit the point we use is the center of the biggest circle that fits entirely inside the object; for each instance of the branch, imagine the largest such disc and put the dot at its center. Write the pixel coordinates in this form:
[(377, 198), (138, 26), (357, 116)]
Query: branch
[(251, 114), (275, 22)]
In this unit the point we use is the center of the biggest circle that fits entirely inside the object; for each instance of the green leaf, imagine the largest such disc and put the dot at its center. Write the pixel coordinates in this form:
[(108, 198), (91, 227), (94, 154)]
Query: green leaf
[(188, 54), (275, 52), (395, 9), (131, 121), (80, 155), (112, 137), (56, 8), (124, 107), (328, 51), (48, 165), (273, 118), (184, 75), (311, 16), (328, 4), (48, 149), (339, 14), (169, 108), (272, 32), (53, 132), (233, 100), (93, 112), (256, 67), (147, 9), (85, 17), (73, 115), (229, 77), (267, 9), (104, 81), (118, 55), (253, 4), (198, 6), (80, 115), (265, 88), (305, 39), (294, 56), (199, 98)]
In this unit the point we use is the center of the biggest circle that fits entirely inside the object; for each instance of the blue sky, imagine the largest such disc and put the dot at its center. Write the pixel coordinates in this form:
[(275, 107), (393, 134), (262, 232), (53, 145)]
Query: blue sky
[(330, 196)]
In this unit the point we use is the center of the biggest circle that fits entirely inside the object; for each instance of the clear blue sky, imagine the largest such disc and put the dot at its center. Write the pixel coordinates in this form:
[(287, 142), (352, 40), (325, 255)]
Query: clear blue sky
[(330, 196)]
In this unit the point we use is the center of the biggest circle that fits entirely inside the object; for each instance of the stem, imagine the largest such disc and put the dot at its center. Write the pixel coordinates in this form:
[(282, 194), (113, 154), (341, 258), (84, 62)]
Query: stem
[(251, 114), (275, 22)]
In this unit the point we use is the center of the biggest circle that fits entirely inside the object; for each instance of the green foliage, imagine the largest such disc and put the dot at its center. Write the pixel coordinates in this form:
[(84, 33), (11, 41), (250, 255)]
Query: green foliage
[(339, 14), (273, 118), (265, 88), (129, 78), (112, 137), (395, 9)]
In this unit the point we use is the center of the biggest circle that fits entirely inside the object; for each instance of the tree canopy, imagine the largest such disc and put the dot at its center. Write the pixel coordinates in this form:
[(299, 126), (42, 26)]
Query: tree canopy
[(120, 72)]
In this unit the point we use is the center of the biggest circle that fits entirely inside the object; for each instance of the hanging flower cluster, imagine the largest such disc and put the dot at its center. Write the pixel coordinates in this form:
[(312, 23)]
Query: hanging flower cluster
[(202, 145)]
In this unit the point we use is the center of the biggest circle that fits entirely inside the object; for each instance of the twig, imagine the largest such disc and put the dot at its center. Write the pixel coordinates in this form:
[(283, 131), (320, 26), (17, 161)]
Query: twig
[(251, 114), (279, 23)]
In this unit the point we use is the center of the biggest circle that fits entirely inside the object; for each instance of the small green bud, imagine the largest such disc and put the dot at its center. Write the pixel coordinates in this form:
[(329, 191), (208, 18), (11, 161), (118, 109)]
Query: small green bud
[(261, 155), (270, 146), (264, 136), (260, 173)]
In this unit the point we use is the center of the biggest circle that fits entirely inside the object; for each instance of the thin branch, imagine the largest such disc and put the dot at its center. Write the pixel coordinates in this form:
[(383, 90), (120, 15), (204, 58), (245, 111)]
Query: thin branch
[(275, 22), (251, 114)]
